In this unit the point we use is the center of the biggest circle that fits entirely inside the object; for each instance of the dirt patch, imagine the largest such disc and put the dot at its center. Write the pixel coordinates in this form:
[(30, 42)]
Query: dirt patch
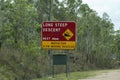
[(110, 75)]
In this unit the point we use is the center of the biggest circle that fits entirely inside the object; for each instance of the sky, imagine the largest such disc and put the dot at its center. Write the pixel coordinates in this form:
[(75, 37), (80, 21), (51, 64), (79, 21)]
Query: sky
[(111, 7)]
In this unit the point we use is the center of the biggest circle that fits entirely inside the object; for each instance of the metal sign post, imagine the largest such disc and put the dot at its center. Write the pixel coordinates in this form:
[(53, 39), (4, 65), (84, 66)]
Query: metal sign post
[(59, 36), (68, 66), (49, 52)]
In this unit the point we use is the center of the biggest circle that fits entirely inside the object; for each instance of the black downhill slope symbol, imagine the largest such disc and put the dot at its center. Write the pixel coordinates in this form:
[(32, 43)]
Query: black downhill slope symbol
[(66, 34)]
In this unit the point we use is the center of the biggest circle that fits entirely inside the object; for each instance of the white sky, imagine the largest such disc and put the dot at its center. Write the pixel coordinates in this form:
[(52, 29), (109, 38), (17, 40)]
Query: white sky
[(111, 7)]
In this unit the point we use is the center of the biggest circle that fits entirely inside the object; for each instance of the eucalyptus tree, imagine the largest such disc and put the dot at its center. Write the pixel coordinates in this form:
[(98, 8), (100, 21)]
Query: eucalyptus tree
[(19, 22), (19, 35), (116, 46)]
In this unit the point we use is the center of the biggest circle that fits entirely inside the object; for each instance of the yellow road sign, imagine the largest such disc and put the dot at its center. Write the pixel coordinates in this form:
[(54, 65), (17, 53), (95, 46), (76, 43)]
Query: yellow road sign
[(68, 34), (59, 35)]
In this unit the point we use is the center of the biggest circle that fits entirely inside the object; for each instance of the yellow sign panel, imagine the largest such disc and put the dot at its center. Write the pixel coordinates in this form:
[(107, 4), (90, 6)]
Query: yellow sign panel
[(58, 44), (67, 34)]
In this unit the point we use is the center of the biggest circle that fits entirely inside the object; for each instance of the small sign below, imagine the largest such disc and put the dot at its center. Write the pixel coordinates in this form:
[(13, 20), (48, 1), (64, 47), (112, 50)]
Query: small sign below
[(60, 59)]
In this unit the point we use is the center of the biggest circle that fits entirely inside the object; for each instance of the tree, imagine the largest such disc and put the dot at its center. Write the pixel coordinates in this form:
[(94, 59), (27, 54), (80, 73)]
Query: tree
[(116, 46)]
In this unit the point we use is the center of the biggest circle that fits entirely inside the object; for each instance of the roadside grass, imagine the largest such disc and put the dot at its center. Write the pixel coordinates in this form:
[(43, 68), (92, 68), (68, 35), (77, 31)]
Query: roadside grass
[(77, 75), (73, 76)]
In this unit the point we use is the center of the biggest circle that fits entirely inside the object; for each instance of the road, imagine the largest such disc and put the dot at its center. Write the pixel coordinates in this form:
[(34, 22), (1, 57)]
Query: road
[(110, 75)]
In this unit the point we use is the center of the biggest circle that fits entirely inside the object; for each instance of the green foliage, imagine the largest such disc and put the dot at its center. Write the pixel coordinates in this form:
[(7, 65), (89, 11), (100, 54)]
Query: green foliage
[(116, 45), (20, 65)]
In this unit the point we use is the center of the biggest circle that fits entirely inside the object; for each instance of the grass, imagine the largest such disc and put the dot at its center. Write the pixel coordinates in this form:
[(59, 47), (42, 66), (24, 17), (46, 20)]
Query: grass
[(73, 76), (77, 75)]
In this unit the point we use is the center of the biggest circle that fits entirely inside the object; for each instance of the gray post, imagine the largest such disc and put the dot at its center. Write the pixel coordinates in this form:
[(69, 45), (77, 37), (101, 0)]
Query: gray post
[(1, 17), (49, 52), (68, 65)]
